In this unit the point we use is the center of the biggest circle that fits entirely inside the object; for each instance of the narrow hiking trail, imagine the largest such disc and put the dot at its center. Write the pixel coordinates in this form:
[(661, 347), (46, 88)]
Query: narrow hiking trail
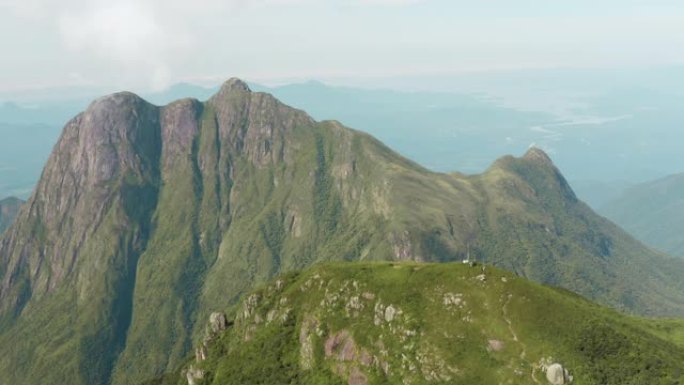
[(523, 347)]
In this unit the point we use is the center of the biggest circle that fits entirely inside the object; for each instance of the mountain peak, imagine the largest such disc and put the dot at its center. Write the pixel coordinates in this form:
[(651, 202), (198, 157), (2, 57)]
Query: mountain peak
[(539, 171), (231, 87), (534, 156), (235, 84), (118, 97), (537, 154), (137, 201)]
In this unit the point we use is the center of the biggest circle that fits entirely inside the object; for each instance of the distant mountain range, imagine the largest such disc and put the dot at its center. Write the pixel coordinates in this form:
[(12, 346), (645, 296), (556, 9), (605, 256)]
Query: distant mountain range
[(9, 208), (148, 219), (653, 212)]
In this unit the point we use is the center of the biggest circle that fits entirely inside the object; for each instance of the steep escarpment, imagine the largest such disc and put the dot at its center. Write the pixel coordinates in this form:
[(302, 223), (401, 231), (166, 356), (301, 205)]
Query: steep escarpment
[(76, 245), (147, 219), (397, 323)]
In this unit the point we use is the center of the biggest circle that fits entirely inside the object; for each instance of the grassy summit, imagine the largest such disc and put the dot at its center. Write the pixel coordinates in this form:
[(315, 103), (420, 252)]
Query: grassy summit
[(398, 323)]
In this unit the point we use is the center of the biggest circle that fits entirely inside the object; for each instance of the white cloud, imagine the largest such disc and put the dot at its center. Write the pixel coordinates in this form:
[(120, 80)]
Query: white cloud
[(134, 36), (138, 43), (139, 39), (119, 31)]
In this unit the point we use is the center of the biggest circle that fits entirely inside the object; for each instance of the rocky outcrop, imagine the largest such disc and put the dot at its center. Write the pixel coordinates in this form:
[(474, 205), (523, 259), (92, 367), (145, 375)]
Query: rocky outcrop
[(194, 375), (309, 330), (341, 346), (556, 374), (217, 322)]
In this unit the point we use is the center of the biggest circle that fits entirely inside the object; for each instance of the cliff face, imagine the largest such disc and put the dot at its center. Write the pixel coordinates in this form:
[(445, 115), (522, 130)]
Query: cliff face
[(77, 242), (149, 218)]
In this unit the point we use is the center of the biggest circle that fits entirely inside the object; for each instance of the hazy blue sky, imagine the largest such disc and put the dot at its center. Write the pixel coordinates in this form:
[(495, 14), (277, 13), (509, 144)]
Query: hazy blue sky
[(152, 43)]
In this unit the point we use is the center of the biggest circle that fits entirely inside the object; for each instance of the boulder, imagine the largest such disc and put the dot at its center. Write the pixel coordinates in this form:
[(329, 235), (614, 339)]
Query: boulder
[(390, 313), (557, 375)]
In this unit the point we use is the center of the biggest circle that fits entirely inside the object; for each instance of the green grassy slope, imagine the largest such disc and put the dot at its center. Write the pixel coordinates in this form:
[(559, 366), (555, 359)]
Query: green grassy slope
[(653, 212), (332, 324), (147, 219)]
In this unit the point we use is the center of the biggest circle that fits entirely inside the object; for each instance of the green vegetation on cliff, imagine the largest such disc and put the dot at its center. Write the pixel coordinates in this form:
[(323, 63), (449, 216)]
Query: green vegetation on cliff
[(147, 219), (393, 323)]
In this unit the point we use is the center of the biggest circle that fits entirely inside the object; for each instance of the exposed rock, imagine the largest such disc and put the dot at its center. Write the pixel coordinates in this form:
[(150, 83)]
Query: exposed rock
[(271, 315), (557, 375), (402, 246), (201, 353), (356, 377), (353, 306), (366, 359), (379, 313), (390, 313), (306, 339), (218, 322), (496, 345), (452, 299), (250, 305), (249, 332), (341, 346), (286, 315), (194, 375), (433, 367)]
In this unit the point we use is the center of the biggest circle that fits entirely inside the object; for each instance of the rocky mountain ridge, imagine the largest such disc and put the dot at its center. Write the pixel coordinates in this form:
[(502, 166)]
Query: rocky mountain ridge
[(147, 219)]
